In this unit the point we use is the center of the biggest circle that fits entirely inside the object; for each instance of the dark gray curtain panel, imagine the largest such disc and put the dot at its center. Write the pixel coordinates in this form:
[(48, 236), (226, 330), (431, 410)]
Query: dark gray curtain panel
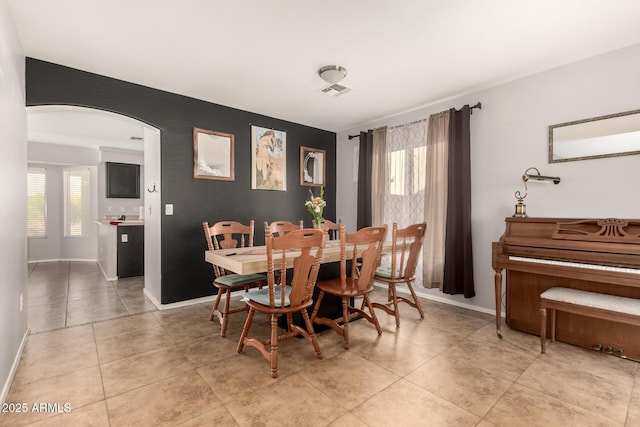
[(365, 161), (458, 269)]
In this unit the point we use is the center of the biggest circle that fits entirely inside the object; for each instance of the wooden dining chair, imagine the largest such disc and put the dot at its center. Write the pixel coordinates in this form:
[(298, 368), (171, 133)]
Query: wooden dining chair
[(228, 235), (295, 297), (331, 228), (405, 253), (280, 228), (367, 246)]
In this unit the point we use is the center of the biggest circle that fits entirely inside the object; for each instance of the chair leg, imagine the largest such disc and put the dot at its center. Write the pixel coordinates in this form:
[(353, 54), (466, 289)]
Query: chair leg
[(316, 307), (245, 329), (416, 300), (394, 301), (345, 321), (312, 334), (215, 305), (225, 313), (274, 346), (373, 314), (553, 325)]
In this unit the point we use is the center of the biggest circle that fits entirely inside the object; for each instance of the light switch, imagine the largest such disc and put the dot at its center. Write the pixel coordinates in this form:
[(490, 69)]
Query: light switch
[(124, 238), (168, 209)]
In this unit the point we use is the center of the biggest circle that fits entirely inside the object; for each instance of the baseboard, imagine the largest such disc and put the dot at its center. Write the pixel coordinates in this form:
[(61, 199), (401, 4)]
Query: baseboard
[(405, 290), (14, 367), (186, 303), (62, 259), (104, 274)]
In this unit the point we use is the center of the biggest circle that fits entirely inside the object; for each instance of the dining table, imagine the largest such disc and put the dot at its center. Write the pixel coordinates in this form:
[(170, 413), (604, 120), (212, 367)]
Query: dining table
[(253, 259)]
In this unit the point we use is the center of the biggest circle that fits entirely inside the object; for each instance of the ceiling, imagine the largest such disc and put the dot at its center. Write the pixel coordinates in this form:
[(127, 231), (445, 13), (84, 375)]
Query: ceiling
[(263, 56)]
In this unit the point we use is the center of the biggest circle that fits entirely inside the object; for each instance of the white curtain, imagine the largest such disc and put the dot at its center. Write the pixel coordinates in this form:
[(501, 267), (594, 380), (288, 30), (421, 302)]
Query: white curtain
[(404, 198), (435, 207)]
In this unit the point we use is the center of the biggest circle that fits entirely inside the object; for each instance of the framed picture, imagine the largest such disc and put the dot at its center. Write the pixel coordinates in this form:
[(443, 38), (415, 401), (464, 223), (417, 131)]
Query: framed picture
[(268, 159), (212, 155), (312, 167)]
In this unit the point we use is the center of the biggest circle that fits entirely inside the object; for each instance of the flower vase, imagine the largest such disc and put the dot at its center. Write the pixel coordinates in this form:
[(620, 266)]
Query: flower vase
[(317, 224)]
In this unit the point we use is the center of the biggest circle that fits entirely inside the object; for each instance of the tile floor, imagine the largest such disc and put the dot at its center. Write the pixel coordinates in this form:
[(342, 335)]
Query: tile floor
[(172, 368)]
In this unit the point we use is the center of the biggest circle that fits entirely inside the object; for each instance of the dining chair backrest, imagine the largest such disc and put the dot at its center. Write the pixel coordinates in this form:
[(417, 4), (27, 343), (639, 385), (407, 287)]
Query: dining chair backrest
[(280, 228), (405, 250), (306, 263), (365, 256), (331, 228), (227, 235)]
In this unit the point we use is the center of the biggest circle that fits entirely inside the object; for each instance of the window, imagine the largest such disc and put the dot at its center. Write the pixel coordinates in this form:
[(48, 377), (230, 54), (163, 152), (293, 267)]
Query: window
[(36, 202), (77, 203)]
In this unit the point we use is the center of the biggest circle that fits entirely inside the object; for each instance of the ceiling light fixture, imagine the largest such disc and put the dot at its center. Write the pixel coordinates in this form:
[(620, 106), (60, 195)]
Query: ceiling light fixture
[(332, 73)]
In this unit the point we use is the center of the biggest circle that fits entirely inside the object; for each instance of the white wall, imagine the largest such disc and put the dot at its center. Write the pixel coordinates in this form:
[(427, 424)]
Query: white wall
[(509, 135), (13, 193)]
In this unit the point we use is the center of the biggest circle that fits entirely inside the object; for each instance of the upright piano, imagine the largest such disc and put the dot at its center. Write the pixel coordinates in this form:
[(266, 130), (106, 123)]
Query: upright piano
[(598, 255)]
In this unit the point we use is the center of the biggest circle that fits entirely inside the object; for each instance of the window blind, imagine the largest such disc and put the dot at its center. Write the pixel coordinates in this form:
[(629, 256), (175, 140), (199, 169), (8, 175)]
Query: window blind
[(36, 202), (77, 203)]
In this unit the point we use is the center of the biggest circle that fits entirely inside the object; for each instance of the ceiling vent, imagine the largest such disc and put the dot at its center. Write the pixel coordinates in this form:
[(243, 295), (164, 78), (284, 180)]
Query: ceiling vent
[(335, 90)]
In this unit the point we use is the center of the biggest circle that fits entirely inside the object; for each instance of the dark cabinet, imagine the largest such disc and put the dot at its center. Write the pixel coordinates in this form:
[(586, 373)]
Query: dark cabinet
[(130, 251)]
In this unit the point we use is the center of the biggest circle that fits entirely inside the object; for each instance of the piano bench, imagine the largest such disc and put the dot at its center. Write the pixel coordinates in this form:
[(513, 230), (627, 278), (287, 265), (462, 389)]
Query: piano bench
[(591, 304)]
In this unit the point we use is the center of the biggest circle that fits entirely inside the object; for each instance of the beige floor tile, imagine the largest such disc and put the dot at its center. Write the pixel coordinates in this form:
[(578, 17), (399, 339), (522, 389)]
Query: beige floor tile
[(67, 337), (205, 352), (188, 330), (406, 404), (241, 374), (395, 354), (78, 389), (132, 343), (521, 406), (216, 417), (103, 312), (348, 420), (164, 403), (424, 334), (517, 338), (576, 384), (126, 374), (41, 363), (349, 378), (45, 322), (123, 325), (499, 358), (611, 368), (469, 387), (93, 415), (633, 417), (190, 313), (291, 401)]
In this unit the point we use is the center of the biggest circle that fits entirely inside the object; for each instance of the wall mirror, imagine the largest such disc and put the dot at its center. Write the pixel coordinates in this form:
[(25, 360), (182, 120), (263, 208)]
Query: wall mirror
[(598, 137)]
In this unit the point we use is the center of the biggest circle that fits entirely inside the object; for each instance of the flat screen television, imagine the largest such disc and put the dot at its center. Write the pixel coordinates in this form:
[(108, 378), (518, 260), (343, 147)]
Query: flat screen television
[(123, 181)]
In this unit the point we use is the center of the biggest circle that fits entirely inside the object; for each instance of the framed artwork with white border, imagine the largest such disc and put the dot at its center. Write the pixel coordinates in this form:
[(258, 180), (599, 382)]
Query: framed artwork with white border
[(268, 159), (212, 155)]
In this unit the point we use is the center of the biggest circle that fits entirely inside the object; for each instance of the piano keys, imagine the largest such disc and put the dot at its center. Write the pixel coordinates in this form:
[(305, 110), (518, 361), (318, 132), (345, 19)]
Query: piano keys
[(598, 255)]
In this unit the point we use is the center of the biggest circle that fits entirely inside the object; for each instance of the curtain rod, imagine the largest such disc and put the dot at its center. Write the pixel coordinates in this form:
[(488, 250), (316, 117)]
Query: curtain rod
[(478, 105)]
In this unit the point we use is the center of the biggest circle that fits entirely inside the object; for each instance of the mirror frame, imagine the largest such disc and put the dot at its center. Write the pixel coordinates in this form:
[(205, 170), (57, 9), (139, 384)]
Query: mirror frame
[(593, 119), (305, 153)]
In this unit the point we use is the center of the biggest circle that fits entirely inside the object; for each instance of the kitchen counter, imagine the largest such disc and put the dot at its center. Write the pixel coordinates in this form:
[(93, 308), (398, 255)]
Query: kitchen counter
[(121, 248)]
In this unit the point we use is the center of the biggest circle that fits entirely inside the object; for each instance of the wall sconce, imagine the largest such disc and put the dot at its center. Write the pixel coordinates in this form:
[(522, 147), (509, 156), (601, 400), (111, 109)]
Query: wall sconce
[(521, 208)]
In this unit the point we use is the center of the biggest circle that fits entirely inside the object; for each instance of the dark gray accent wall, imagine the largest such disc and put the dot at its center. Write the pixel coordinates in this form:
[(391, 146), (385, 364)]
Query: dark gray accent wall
[(185, 275)]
